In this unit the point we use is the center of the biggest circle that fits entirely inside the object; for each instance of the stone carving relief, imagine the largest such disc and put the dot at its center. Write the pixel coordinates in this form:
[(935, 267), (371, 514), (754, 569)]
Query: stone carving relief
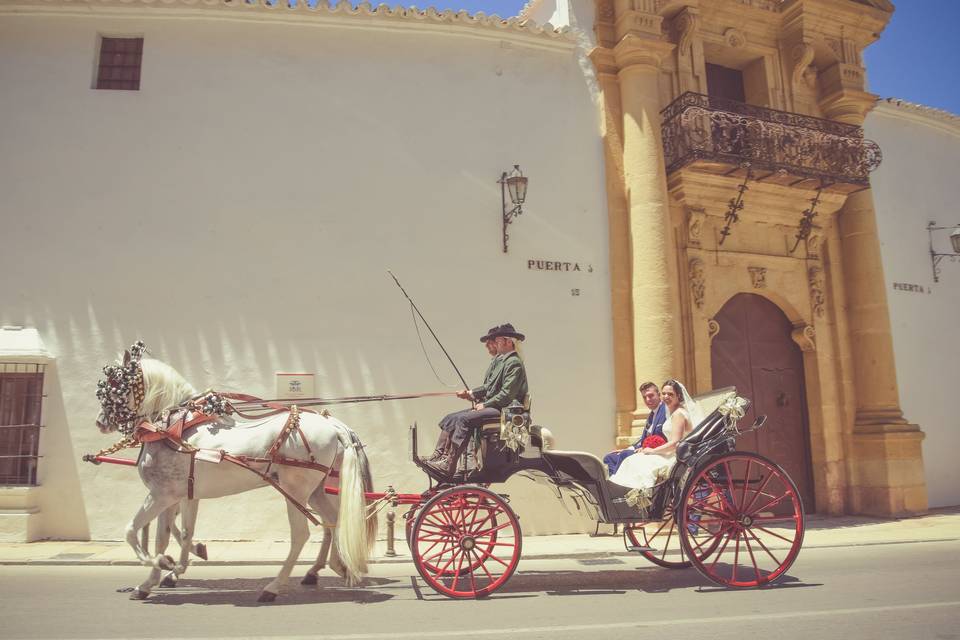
[(805, 337), (758, 276), (814, 241), (698, 285), (802, 57), (734, 38), (687, 24), (713, 328), (696, 217), (817, 297)]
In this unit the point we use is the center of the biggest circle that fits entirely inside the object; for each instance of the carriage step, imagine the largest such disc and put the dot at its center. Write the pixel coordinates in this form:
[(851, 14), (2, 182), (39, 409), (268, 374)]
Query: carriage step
[(640, 549)]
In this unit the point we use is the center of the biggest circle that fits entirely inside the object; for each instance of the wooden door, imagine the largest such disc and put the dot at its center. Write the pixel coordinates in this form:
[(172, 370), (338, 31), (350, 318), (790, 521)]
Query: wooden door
[(754, 351)]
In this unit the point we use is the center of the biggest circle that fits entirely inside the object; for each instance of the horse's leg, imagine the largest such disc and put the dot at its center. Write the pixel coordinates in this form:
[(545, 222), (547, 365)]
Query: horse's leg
[(320, 503), (162, 540), (196, 548), (150, 509), (300, 485), (188, 519)]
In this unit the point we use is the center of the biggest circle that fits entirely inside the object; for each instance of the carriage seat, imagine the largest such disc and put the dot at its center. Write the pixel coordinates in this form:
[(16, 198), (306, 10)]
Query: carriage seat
[(578, 465)]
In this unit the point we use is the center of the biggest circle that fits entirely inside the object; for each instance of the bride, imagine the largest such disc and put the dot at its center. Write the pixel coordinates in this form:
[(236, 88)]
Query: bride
[(649, 466)]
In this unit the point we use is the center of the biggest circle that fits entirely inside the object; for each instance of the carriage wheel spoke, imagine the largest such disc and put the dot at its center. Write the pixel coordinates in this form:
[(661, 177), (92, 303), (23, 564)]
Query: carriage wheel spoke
[(666, 545), (456, 574), (447, 547), (746, 483), (736, 557), (776, 535), (771, 503), (759, 491), (715, 536), (720, 553), (775, 519), (756, 570), (481, 562), (764, 547), (733, 505), (489, 531)]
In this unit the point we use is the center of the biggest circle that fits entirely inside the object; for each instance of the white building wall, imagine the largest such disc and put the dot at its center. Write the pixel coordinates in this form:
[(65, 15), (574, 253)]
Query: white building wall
[(917, 183), (240, 211)]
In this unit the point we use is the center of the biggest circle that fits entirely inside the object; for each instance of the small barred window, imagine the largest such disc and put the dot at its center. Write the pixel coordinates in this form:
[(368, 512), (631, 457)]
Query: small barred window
[(120, 63), (21, 400)]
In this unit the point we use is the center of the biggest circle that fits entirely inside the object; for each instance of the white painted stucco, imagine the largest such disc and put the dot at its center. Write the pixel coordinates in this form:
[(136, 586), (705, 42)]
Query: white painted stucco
[(917, 183), (240, 211)]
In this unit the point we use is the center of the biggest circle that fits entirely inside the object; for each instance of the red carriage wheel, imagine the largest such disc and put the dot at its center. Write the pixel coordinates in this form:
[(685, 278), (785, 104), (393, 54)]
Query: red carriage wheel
[(466, 542), (748, 519)]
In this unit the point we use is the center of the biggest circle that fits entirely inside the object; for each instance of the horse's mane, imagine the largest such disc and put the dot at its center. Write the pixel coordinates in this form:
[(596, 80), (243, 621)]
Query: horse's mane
[(163, 387)]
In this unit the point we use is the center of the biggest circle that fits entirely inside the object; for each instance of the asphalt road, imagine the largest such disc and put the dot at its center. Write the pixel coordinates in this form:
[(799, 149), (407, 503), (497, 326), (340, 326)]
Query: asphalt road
[(909, 591)]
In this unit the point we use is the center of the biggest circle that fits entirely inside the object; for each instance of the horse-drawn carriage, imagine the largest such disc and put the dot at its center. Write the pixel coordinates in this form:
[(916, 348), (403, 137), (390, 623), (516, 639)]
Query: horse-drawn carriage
[(734, 516)]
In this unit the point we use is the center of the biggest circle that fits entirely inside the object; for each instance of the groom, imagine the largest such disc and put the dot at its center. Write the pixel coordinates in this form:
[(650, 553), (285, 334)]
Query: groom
[(655, 421)]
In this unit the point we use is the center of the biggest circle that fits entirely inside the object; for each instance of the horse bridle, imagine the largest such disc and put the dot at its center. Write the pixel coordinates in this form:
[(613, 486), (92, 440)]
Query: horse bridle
[(123, 382)]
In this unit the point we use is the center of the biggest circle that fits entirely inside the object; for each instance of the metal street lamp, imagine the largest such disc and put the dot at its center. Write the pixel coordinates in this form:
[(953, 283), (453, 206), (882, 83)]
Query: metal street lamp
[(514, 183), (935, 257)]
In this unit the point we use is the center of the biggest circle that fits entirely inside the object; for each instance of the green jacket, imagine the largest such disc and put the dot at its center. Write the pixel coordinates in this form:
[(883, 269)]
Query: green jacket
[(506, 381)]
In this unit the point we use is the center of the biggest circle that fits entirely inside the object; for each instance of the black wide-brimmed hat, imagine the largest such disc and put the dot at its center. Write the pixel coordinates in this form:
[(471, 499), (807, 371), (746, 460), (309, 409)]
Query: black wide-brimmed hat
[(507, 331), (489, 335)]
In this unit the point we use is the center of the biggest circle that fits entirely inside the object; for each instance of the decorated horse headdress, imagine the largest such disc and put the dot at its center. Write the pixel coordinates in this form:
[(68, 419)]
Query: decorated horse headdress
[(121, 393)]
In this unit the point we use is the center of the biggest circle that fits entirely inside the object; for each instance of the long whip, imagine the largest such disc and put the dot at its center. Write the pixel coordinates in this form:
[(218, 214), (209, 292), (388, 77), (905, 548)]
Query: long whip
[(432, 333)]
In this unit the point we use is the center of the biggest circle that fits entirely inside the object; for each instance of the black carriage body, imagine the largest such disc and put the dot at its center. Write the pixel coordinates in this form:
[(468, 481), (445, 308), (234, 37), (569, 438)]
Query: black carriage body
[(582, 473)]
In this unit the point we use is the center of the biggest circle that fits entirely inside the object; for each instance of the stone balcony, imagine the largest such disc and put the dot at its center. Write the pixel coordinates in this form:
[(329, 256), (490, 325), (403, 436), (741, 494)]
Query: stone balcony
[(726, 137)]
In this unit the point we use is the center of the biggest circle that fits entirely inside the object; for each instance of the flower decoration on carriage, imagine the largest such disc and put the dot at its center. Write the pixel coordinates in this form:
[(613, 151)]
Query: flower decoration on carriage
[(123, 382), (640, 499), (515, 427), (733, 409)]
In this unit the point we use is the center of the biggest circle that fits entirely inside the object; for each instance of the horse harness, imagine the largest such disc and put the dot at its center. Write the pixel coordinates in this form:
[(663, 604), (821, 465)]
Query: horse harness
[(178, 422)]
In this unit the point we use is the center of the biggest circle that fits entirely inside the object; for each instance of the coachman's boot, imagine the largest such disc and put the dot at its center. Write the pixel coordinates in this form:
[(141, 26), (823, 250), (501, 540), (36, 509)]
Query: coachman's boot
[(447, 463), (443, 443)]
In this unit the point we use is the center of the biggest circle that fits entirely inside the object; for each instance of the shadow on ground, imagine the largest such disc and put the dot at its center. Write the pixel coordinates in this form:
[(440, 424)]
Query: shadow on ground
[(243, 592)]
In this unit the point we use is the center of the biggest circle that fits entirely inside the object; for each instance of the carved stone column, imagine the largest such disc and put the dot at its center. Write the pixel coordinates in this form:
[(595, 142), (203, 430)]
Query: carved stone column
[(654, 288), (886, 465)]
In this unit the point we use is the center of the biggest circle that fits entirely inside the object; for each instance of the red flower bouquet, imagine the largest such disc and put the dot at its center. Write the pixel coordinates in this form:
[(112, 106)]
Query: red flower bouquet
[(652, 441)]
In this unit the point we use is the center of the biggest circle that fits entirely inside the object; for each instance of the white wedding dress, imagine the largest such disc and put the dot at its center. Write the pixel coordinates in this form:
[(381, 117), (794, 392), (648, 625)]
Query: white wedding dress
[(644, 470)]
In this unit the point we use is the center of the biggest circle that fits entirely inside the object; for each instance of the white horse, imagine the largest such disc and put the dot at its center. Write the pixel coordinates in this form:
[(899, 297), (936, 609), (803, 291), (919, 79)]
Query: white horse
[(166, 471)]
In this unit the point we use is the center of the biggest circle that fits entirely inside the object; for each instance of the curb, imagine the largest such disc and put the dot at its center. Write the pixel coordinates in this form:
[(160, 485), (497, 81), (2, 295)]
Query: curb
[(586, 555)]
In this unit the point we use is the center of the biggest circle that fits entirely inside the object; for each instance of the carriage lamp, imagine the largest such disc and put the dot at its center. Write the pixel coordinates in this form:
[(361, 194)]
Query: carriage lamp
[(936, 257), (514, 183)]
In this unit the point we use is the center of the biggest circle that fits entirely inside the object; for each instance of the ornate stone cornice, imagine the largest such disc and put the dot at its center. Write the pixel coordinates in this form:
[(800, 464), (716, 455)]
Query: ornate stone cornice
[(298, 11)]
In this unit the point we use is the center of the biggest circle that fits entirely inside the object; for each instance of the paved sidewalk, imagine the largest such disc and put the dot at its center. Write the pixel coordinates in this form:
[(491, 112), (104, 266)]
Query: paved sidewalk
[(938, 525)]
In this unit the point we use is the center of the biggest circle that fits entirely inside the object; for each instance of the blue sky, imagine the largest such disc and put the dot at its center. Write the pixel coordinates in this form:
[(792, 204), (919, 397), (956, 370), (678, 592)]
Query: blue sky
[(915, 55)]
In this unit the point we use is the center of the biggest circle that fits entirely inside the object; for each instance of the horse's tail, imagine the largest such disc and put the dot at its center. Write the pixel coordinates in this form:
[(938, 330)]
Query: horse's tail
[(372, 523), (354, 538)]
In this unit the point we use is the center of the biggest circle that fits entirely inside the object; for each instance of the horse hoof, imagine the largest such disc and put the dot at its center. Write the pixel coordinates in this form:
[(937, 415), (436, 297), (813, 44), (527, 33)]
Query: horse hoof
[(201, 551), (310, 578), (168, 583), (267, 596), (166, 563), (139, 594)]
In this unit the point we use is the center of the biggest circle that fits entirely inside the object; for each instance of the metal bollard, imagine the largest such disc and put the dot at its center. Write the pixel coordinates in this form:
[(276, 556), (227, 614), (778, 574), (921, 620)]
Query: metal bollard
[(391, 521)]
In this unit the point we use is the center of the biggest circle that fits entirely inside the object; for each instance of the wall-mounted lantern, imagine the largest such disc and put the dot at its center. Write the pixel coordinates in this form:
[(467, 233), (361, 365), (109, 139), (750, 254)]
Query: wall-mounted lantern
[(935, 257), (515, 184)]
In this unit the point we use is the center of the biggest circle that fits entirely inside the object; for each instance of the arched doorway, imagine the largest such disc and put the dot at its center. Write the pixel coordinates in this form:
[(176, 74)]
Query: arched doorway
[(755, 352)]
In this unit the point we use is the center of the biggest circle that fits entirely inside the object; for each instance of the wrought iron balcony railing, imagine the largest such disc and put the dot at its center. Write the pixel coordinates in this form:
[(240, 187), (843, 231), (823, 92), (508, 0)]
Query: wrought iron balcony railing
[(791, 147)]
